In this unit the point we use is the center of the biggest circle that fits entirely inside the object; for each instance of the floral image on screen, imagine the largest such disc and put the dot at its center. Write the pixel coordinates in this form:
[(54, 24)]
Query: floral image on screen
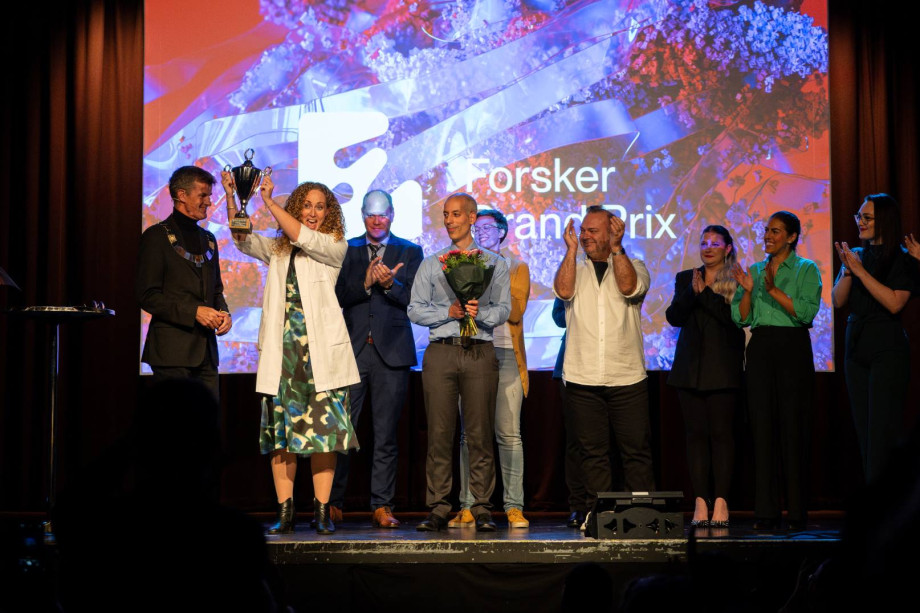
[(673, 114)]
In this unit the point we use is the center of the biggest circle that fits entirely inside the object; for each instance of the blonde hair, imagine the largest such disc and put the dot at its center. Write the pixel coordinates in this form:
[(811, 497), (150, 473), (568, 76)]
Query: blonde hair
[(333, 222), (725, 284)]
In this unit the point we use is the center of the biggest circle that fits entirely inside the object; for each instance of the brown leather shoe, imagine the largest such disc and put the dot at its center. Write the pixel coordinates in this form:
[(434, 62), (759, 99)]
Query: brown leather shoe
[(383, 518)]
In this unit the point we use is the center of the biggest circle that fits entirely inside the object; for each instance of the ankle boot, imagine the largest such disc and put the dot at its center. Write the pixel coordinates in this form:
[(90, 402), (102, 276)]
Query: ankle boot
[(285, 523), (321, 516)]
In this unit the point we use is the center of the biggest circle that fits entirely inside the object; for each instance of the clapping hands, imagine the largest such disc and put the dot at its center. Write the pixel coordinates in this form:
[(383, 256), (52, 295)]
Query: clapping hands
[(698, 283), (743, 277), (381, 274), (849, 259), (912, 246)]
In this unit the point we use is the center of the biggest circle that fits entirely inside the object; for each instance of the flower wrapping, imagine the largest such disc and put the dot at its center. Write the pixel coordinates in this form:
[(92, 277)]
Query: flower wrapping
[(468, 276)]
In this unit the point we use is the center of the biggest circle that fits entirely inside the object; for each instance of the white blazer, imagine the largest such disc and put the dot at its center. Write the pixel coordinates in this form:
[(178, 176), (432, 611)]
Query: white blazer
[(317, 267)]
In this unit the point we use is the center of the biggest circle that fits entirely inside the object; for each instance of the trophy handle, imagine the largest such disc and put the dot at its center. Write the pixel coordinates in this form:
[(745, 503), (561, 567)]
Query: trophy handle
[(265, 172), (249, 154), (229, 168)]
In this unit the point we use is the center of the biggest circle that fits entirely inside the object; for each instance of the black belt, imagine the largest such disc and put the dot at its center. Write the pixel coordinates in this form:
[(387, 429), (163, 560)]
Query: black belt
[(460, 341)]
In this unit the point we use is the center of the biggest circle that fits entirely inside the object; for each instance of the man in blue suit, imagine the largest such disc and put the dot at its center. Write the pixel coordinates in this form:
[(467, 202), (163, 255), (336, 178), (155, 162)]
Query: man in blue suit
[(374, 288)]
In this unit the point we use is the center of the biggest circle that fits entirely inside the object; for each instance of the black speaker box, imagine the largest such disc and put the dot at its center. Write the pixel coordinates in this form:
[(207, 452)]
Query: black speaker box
[(637, 515)]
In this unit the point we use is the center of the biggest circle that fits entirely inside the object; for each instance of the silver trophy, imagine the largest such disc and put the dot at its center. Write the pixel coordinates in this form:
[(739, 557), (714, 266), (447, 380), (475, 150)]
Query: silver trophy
[(246, 180)]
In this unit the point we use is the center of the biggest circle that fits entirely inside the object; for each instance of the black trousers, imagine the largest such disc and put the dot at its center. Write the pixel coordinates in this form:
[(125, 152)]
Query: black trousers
[(387, 389), (574, 480), (595, 411), (780, 390), (206, 373), (708, 418), (877, 373), (452, 374)]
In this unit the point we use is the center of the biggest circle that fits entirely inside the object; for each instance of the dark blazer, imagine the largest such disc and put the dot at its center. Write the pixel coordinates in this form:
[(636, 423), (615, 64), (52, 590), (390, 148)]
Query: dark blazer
[(171, 289), (381, 313), (710, 348)]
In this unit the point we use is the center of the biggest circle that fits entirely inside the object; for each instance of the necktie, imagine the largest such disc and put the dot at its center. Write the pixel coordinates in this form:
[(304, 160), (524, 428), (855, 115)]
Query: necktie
[(374, 250)]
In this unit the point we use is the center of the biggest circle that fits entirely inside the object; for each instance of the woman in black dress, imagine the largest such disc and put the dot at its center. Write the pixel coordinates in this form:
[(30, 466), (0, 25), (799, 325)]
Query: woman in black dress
[(876, 281), (707, 371)]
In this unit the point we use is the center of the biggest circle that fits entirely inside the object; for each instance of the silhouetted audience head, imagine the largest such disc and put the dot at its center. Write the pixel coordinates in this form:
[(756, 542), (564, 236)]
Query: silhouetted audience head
[(177, 442), (657, 593), (143, 530)]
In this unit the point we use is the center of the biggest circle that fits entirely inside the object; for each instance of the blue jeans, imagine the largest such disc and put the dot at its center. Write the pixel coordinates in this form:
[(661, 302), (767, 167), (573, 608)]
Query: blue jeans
[(507, 434)]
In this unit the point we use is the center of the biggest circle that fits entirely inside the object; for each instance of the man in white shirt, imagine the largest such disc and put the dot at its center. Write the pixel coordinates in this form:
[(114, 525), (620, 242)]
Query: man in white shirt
[(604, 367)]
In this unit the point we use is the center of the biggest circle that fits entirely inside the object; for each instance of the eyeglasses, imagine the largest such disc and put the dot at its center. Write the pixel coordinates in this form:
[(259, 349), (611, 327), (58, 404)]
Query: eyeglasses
[(711, 245), (372, 216), (865, 218), (485, 229)]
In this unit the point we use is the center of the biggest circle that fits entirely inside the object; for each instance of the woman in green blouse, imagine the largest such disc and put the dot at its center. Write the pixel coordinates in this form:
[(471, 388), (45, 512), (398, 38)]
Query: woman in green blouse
[(779, 298)]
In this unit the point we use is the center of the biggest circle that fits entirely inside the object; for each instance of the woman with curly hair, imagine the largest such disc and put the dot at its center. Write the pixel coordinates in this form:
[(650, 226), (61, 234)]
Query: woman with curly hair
[(306, 363)]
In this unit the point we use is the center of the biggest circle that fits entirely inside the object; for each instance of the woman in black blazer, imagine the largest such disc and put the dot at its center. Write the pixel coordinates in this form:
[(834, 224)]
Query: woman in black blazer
[(707, 371)]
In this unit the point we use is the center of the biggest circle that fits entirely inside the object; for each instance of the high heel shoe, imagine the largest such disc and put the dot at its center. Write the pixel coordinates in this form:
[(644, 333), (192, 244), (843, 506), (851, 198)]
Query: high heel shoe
[(285, 523), (719, 523), (702, 523), (321, 514)]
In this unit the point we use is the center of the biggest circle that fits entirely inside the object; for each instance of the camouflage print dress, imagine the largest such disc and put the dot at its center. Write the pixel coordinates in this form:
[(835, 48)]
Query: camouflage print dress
[(299, 419)]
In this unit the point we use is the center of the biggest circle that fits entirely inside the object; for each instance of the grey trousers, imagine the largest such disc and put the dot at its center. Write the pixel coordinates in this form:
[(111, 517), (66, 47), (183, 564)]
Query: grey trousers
[(452, 374)]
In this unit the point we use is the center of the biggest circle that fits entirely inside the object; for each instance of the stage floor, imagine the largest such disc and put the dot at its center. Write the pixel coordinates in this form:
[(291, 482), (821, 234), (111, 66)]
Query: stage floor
[(547, 541), (361, 568)]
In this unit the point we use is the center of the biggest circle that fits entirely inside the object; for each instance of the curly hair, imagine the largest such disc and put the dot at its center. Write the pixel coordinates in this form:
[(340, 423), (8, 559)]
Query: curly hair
[(333, 222)]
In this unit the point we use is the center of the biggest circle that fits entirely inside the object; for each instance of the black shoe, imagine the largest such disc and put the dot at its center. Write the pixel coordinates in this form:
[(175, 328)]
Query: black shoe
[(285, 523), (484, 523), (797, 526), (765, 524), (432, 523), (323, 520), (575, 520), (335, 514)]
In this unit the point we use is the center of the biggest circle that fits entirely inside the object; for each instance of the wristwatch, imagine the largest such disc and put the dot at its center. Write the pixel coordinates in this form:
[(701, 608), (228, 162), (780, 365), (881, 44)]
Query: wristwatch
[(622, 251)]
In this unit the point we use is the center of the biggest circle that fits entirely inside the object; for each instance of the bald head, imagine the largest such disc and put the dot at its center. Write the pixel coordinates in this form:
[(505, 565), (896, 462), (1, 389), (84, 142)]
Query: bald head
[(377, 209), (467, 202), (377, 202), (459, 216)]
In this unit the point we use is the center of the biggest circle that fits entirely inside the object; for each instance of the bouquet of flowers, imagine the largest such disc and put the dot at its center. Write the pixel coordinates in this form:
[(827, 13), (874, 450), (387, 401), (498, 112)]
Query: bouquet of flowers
[(468, 276)]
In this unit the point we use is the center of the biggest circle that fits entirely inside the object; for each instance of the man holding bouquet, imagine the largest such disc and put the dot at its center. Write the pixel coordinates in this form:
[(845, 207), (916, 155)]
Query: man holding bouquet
[(460, 294)]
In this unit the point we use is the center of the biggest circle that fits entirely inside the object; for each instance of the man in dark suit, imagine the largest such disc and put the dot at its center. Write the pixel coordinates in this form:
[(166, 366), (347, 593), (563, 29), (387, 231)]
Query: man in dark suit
[(178, 283), (373, 288)]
